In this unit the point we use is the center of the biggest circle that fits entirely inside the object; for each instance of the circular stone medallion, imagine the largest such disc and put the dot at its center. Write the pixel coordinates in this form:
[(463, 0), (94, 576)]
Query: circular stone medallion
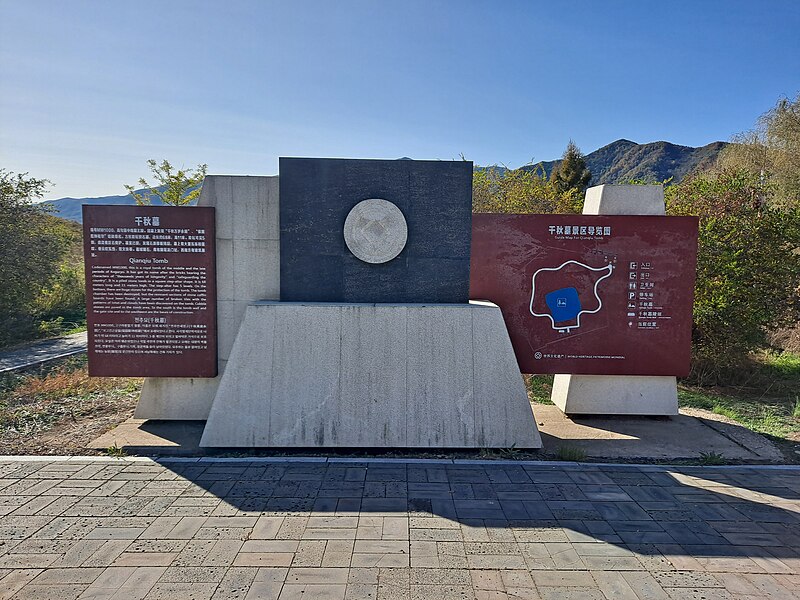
[(375, 231)]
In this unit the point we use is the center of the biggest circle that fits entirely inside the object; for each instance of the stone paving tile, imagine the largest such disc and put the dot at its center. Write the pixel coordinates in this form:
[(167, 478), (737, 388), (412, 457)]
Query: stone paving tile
[(49, 592), (193, 574), (149, 559), (248, 529), (103, 556), (67, 576), (338, 553), (15, 580), (176, 591), (236, 584)]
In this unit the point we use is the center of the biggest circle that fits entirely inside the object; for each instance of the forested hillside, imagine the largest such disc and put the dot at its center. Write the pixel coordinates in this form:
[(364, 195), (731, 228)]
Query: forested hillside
[(623, 161)]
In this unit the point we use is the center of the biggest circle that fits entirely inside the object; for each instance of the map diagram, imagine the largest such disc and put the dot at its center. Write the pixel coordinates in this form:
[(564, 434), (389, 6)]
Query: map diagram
[(590, 294), (564, 293)]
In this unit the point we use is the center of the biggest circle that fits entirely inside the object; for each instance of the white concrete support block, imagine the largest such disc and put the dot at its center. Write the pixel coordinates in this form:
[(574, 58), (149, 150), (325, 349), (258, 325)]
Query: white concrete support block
[(371, 375), (618, 394), (615, 395), (624, 200), (248, 269)]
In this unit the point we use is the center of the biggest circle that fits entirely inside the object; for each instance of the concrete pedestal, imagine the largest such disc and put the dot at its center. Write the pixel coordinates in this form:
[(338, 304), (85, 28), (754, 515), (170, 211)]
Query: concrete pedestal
[(371, 375), (607, 394), (615, 395), (248, 268)]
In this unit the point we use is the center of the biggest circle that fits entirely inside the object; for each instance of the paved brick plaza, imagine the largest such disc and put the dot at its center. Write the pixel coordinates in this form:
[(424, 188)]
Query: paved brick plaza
[(258, 529)]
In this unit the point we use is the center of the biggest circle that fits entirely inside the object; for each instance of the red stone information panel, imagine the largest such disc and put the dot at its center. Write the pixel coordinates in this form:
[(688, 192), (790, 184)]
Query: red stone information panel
[(150, 291), (596, 295)]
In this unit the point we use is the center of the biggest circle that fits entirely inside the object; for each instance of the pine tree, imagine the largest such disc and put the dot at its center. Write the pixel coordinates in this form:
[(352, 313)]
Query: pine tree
[(571, 173)]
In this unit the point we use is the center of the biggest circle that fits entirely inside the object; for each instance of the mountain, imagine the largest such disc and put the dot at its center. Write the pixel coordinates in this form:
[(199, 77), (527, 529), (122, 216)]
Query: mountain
[(618, 162), (624, 160), (70, 208)]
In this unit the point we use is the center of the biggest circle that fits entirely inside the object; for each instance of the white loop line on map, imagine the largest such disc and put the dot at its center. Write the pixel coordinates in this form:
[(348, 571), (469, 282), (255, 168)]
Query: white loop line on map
[(609, 267)]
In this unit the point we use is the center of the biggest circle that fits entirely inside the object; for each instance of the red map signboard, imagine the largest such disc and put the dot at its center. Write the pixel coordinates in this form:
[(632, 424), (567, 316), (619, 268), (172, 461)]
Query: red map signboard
[(150, 291), (595, 295)]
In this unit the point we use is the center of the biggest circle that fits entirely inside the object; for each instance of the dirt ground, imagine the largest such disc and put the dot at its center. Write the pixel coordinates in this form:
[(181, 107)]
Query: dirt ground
[(58, 410)]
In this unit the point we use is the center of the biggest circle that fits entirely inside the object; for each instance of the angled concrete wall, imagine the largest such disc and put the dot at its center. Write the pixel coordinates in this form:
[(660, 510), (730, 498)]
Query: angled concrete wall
[(248, 268), (618, 394), (372, 375)]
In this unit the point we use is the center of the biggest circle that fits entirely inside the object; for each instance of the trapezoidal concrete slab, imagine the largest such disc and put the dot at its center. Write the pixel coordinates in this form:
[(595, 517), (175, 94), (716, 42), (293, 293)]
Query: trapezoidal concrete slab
[(371, 375)]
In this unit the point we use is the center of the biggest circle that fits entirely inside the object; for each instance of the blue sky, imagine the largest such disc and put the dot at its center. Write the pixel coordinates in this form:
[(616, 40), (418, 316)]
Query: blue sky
[(90, 90)]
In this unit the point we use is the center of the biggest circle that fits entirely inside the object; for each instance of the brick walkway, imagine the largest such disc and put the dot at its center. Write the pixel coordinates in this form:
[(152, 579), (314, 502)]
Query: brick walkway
[(200, 529)]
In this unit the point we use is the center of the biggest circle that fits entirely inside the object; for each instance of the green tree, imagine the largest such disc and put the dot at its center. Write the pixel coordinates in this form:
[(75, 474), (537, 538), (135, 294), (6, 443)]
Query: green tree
[(174, 187), (571, 173), (772, 150), (748, 266), (32, 245), (497, 190)]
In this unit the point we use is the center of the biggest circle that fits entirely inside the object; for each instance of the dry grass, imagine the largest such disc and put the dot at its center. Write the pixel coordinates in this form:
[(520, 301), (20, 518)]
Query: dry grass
[(58, 410), (787, 339)]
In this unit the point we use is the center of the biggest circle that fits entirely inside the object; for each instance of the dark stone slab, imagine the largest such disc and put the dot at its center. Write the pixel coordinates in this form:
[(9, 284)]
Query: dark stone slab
[(316, 194)]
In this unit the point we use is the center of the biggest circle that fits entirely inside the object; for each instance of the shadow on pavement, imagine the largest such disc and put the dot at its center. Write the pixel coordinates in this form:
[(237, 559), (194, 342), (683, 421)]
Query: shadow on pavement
[(699, 512)]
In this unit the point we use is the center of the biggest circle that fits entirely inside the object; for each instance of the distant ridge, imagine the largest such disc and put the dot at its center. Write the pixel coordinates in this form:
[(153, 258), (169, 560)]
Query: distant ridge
[(624, 160), (70, 208), (618, 162)]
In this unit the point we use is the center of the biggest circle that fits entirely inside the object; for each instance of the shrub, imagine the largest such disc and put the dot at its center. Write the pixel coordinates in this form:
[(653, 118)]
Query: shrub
[(496, 190), (40, 263), (748, 271)]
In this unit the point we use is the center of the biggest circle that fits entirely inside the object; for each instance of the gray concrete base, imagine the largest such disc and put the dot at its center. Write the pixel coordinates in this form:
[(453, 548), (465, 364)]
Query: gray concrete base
[(686, 436), (618, 394), (153, 438), (371, 375), (176, 398), (248, 268), (608, 395), (624, 200)]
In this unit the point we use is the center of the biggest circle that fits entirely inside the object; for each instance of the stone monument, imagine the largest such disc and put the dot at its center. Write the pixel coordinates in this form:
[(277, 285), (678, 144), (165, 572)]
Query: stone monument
[(344, 318)]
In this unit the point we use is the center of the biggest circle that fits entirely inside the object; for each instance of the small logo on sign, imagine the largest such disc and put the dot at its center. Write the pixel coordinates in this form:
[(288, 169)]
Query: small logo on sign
[(537, 356)]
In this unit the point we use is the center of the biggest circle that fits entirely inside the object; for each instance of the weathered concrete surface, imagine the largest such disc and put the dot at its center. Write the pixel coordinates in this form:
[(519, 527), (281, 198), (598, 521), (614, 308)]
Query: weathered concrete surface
[(371, 375), (624, 200), (248, 268), (687, 435), (750, 440), (618, 395), (615, 395)]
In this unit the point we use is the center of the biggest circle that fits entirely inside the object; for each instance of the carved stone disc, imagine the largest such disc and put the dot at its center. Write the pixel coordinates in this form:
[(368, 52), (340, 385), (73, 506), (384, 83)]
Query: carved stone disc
[(375, 231)]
